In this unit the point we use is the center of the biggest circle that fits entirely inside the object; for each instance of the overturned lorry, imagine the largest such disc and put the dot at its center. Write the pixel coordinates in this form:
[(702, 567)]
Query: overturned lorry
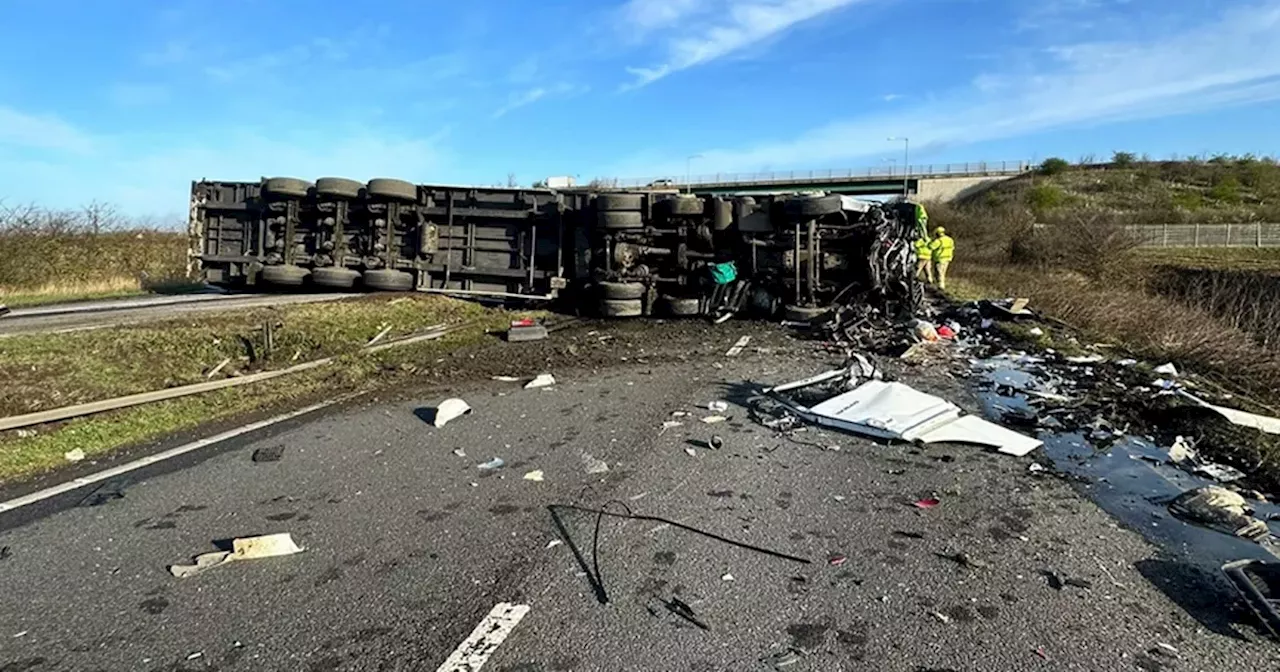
[(617, 254)]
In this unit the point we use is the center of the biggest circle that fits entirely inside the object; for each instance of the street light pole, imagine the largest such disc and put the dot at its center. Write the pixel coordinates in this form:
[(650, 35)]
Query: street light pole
[(906, 163), (688, 162)]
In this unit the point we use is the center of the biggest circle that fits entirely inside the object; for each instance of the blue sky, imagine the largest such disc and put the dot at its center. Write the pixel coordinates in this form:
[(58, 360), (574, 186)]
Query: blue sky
[(127, 101)]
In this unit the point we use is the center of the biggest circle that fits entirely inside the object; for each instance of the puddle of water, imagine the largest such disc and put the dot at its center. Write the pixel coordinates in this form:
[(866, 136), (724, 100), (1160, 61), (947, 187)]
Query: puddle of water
[(1128, 476)]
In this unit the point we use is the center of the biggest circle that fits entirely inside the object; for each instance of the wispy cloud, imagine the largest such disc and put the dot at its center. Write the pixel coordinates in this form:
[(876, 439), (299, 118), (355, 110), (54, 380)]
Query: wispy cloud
[(527, 97), (890, 97), (1233, 60), (721, 28), (23, 130)]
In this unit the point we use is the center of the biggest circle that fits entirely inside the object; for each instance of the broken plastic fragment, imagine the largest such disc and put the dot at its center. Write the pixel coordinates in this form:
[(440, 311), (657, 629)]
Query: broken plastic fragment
[(506, 379), (926, 503), (691, 452), (448, 410), (836, 560), (1166, 369), (717, 406), (541, 380), (535, 475), (1036, 331), (245, 548), (594, 465), (727, 577), (74, 455), (1180, 451), (712, 419), (495, 463)]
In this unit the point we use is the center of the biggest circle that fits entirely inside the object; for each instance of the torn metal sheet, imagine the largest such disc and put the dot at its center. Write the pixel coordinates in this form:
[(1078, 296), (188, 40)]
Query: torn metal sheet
[(1244, 419), (899, 412)]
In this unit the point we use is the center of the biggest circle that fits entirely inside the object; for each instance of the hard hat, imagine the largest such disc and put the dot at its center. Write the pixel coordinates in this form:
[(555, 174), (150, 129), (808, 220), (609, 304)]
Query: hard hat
[(939, 230)]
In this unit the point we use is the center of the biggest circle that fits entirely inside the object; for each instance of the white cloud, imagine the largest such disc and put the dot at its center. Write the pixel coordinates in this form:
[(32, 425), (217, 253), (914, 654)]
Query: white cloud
[(45, 132), (1233, 60), (716, 33), (521, 99)]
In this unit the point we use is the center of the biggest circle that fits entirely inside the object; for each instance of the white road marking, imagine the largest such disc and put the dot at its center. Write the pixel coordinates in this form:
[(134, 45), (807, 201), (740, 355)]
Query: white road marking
[(105, 474), (737, 347), (474, 651)]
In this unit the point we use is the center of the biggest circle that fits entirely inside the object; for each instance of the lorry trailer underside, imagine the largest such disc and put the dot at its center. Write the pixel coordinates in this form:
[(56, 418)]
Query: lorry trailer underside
[(617, 254)]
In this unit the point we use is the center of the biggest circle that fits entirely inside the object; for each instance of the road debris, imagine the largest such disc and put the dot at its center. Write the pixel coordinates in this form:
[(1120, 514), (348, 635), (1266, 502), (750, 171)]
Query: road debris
[(505, 379), (678, 607), (836, 560), (737, 347), (593, 465), (690, 452), (895, 411), (1258, 582), (716, 442), (535, 475), (1220, 509), (459, 452), (713, 419), (527, 329), (75, 455), (926, 503), (541, 380), (214, 371), (1260, 422), (1167, 369), (244, 548), (717, 406), (726, 577), (268, 453), (942, 618), (495, 463), (553, 543), (448, 410), (963, 559)]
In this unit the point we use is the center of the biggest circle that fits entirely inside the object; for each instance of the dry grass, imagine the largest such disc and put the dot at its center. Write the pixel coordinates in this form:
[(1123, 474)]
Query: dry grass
[(61, 255), (54, 370)]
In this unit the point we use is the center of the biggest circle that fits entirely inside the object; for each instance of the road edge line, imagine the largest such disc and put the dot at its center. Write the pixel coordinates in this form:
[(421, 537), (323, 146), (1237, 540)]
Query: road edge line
[(475, 650)]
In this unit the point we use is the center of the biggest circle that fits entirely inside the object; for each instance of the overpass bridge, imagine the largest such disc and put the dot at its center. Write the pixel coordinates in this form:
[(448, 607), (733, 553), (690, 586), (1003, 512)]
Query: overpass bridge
[(929, 182)]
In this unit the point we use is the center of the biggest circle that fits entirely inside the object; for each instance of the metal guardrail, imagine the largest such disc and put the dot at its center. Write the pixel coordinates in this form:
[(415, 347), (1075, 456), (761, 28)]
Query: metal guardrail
[(920, 171), (1244, 234)]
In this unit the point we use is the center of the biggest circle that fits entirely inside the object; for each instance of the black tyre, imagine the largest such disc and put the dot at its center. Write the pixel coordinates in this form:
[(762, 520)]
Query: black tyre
[(621, 291), (686, 205), (621, 220), (394, 189), (681, 307), (814, 206), (338, 186), (288, 275), (803, 313), (388, 280), (622, 308), (335, 277), (619, 202), (286, 186)]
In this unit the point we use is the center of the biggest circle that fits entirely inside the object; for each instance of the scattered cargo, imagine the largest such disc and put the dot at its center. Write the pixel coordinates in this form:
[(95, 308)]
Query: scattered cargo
[(618, 254)]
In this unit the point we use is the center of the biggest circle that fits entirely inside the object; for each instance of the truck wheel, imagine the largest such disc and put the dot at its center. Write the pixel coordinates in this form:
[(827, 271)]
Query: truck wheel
[(288, 274), (338, 186), (388, 280), (616, 202), (286, 186), (335, 277), (394, 189), (803, 313), (686, 205), (681, 307), (621, 291), (621, 220), (814, 206), (621, 308)]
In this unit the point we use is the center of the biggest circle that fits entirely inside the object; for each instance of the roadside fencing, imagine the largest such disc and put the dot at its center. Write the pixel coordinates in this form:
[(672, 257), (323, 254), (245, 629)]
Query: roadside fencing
[(1246, 234)]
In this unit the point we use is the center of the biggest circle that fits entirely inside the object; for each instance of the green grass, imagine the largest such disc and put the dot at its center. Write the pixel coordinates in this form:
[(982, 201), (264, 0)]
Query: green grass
[(55, 370)]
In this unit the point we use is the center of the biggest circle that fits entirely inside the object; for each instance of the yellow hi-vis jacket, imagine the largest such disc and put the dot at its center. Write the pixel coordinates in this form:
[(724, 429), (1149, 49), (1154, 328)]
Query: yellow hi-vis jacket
[(943, 248), (922, 249)]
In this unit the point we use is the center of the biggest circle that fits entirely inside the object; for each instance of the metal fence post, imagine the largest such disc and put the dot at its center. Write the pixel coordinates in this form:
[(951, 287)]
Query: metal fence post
[(1258, 237), (1165, 242), (1228, 234), (1197, 243)]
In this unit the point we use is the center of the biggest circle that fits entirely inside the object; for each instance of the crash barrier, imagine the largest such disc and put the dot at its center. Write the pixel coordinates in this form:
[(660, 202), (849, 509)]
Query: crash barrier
[(1246, 234), (615, 254), (971, 169)]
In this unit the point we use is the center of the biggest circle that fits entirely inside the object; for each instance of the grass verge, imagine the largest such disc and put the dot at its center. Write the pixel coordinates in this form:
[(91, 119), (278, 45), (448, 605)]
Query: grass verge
[(54, 370)]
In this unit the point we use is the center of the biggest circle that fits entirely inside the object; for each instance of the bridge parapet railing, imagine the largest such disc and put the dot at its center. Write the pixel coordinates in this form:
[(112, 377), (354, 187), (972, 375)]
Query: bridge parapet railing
[(976, 168)]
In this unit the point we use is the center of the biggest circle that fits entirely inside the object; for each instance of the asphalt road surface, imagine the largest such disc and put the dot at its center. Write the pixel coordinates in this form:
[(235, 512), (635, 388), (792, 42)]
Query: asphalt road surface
[(410, 545), (111, 312)]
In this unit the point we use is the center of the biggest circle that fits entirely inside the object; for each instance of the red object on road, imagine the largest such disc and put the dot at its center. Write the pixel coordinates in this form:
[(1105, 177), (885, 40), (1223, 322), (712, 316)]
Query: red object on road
[(836, 560), (926, 503), (945, 332), (526, 322)]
